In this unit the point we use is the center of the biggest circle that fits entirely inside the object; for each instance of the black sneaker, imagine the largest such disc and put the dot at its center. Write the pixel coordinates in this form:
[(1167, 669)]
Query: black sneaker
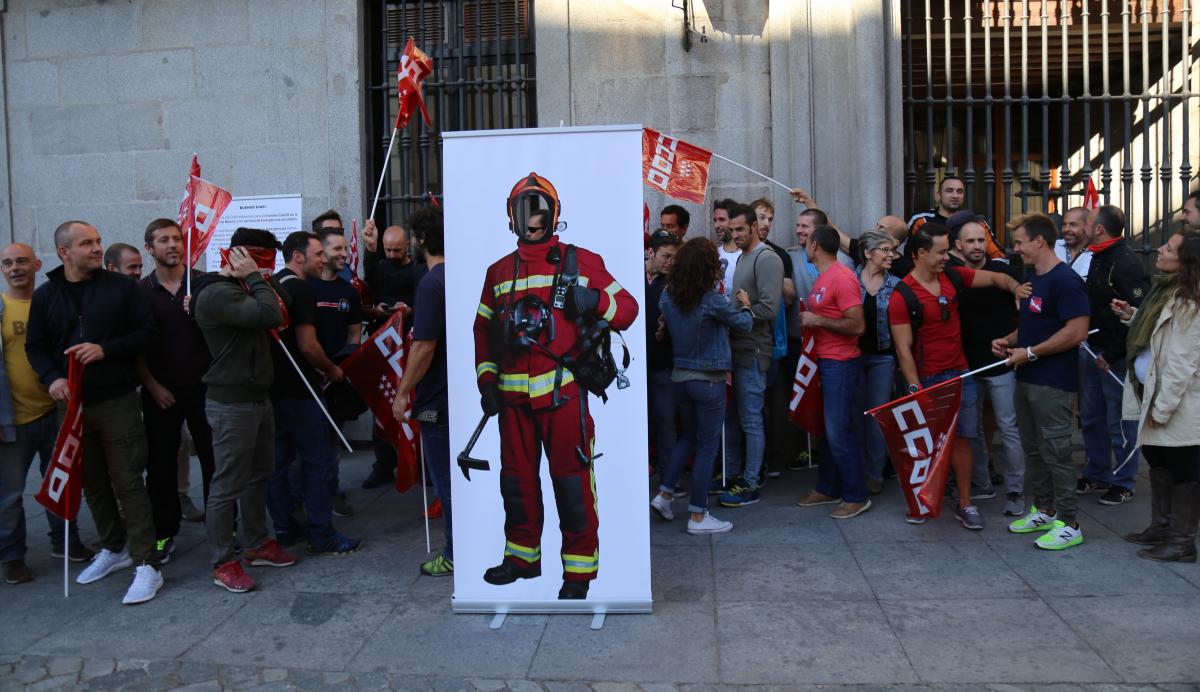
[(801, 462), (78, 552), (165, 548), (1086, 487), (1116, 495), (341, 507), (378, 478), (336, 544), (17, 572)]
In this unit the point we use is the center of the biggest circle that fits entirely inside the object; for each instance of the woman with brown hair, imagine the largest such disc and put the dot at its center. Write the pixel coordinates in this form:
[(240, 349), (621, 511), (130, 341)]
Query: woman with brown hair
[(1162, 392), (698, 318)]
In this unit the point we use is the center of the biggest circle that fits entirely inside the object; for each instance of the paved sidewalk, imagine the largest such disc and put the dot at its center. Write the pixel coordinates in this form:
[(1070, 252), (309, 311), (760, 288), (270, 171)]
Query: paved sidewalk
[(790, 598)]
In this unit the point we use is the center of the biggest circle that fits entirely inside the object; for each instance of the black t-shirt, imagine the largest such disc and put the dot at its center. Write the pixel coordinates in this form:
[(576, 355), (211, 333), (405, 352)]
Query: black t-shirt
[(985, 314), (869, 341), (301, 306), (392, 282), (337, 309), (659, 354), (430, 325)]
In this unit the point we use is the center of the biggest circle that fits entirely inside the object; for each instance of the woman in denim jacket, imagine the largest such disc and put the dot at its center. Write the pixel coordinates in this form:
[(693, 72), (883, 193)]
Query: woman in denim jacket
[(698, 319), (878, 357)]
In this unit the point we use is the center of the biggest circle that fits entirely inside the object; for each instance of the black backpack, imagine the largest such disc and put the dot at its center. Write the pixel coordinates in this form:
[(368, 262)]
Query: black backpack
[(916, 313)]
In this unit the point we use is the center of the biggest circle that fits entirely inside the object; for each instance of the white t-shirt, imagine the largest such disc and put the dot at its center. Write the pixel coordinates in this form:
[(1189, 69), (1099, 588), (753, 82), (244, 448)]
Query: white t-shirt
[(1082, 262), (728, 265)]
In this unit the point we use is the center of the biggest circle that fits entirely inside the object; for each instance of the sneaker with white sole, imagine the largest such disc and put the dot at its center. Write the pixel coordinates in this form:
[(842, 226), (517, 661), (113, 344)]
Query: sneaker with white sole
[(969, 517), (1014, 504), (1060, 537), (662, 505), (146, 583), (105, 563), (709, 524), (1036, 520)]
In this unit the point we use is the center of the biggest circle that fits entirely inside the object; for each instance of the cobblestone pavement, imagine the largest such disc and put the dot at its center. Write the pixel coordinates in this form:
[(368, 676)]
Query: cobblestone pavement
[(788, 599)]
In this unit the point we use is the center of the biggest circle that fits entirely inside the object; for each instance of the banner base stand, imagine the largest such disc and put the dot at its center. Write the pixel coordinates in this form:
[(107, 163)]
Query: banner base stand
[(598, 620), (498, 621), (551, 607)]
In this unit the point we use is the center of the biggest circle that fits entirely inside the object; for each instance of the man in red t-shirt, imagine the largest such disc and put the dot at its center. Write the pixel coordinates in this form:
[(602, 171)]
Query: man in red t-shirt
[(934, 353), (833, 312)]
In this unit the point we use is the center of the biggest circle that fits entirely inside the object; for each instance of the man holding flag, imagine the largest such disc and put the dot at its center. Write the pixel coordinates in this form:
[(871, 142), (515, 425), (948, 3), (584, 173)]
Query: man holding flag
[(928, 337), (115, 330), (1051, 323)]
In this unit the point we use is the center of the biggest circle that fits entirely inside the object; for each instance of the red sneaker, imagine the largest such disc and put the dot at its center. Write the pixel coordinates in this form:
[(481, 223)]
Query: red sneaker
[(270, 555), (231, 576), (435, 509)]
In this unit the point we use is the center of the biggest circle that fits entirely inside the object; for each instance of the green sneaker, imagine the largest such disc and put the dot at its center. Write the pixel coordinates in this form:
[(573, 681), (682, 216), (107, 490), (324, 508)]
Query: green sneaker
[(1060, 537), (439, 566), (1036, 520)]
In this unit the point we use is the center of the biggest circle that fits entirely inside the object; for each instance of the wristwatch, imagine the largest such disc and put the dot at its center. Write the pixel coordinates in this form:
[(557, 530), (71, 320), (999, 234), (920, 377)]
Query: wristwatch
[(1030, 355), (914, 388)]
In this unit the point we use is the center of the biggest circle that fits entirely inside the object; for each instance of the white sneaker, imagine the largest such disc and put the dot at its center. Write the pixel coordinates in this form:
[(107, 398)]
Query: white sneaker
[(105, 563), (146, 583), (662, 505), (1036, 520), (709, 524)]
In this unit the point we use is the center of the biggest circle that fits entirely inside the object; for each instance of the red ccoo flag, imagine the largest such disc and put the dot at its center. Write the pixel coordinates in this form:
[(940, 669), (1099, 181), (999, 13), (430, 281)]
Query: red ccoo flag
[(414, 67), (364, 295), (185, 204), (919, 431), (806, 409), (674, 167), (207, 204), (1091, 197), (63, 481), (374, 370)]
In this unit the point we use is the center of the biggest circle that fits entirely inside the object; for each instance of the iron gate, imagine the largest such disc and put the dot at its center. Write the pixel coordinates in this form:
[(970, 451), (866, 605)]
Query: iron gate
[(483, 78), (1026, 100)]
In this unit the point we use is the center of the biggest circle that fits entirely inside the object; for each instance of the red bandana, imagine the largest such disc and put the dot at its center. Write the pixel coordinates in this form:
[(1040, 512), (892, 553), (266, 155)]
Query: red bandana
[(1101, 247)]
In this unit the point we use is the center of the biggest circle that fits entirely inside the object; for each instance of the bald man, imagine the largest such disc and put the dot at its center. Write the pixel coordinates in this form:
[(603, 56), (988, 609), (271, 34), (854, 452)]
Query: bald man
[(393, 280), (28, 421)]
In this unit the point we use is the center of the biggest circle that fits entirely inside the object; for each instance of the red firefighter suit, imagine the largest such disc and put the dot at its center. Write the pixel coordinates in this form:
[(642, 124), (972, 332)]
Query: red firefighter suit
[(529, 420)]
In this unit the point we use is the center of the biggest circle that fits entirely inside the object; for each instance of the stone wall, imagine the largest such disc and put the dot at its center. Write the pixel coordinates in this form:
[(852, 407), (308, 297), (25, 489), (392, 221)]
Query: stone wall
[(107, 101)]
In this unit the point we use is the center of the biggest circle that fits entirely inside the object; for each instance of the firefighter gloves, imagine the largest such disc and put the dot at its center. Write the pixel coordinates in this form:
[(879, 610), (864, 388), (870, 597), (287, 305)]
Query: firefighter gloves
[(490, 399), (581, 302)]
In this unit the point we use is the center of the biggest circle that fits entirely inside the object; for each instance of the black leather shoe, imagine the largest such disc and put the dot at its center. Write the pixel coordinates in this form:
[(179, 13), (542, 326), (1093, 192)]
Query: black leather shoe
[(377, 479), (506, 573), (573, 590)]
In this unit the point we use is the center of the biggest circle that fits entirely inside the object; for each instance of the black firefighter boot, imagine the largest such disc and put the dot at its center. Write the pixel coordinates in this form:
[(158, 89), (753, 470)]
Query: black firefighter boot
[(1160, 509), (573, 590), (506, 573), (1185, 516)]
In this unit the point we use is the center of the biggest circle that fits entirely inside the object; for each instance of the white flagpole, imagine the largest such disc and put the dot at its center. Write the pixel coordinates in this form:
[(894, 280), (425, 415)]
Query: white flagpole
[(66, 558), (424, 500), (387, 160), (761, 175), (314, 394), (1092, 353), (188, 272)]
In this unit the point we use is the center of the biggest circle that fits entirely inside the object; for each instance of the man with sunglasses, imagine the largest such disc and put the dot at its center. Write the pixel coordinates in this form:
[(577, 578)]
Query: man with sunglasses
[(928, 339)]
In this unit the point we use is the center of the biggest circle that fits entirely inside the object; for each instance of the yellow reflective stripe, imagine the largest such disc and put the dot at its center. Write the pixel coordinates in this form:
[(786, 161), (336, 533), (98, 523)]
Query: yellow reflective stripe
[(484, 311), (612, 290), (581, 564), (486, 366), (527, 554), (528, 282), (539, 385)]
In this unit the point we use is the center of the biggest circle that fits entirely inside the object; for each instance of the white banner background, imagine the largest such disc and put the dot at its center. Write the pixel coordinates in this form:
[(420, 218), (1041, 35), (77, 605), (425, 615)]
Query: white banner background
[(597, 172), (279, 214)]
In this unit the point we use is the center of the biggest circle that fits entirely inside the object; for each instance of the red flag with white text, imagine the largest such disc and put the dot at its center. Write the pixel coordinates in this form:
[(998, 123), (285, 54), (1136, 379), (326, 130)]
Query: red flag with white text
[(374, 370), (63, 481), (413, 68), (672, 166), (1091, 197), (207, 204), (806, 408), (919, 432), (185, 204), (364, 295)]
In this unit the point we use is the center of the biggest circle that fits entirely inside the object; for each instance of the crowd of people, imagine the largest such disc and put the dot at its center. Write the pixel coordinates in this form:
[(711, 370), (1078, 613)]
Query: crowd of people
[(1085, 334), (174, 363)]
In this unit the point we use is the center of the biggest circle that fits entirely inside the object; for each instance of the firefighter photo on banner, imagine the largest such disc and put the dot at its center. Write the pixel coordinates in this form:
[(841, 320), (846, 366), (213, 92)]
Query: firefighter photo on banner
[(546, 370)]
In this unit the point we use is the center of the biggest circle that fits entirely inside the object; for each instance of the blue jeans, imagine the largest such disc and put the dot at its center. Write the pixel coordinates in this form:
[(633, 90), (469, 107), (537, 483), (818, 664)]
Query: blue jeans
[(703, 407), (1107, 438), (301, 434), (749, 385), (840, 472), (968, 406), (16, 456), (663, 410), (875, 388), (435, 448)]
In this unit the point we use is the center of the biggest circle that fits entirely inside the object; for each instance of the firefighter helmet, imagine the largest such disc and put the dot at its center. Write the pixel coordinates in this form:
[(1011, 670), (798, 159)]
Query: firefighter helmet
[(530, 195)]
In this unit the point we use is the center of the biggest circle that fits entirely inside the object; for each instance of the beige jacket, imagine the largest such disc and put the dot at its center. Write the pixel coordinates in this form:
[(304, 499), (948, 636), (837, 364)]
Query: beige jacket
[(1171, 396)]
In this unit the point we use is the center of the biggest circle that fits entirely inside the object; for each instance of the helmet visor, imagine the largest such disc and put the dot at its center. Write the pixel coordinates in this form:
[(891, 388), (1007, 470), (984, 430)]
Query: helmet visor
[(532, 215)]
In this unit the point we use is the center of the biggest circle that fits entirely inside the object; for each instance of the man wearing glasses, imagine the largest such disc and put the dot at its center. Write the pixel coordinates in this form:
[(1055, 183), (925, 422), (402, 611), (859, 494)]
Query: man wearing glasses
[(928, 340)]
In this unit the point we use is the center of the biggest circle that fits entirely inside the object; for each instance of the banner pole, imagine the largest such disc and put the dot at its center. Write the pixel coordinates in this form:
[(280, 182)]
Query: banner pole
[(188, 272), (66, 558), (424, 501), (312, 391), (761, 175), (1092, 353), (387, 160)]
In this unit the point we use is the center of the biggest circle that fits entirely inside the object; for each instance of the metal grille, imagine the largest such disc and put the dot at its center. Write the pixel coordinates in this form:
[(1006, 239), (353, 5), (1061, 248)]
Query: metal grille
[(483, 78), (1028, 100)]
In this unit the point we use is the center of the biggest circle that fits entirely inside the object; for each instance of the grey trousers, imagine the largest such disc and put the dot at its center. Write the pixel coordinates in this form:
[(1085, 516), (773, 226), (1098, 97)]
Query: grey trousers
[(244, 456), (1046, 417)]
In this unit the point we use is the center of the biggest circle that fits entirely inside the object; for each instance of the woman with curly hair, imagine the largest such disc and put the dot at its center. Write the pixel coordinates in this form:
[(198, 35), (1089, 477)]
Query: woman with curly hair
[(1162, 392), (698, 318)]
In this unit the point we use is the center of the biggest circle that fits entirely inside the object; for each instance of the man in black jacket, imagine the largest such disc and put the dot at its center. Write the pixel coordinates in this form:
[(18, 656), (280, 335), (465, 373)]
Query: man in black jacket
[(1115, 272), (102, 319)]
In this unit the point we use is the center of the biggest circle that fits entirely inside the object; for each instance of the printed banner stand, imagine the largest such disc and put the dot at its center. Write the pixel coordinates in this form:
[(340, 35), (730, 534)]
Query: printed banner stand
[(596, 173)]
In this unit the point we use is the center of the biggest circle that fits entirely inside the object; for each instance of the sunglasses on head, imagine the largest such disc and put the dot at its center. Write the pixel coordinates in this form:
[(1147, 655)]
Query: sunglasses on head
[(944, 306)]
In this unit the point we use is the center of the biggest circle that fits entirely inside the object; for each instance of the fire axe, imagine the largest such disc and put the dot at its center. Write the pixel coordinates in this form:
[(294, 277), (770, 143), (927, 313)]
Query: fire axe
[(465, 461)]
